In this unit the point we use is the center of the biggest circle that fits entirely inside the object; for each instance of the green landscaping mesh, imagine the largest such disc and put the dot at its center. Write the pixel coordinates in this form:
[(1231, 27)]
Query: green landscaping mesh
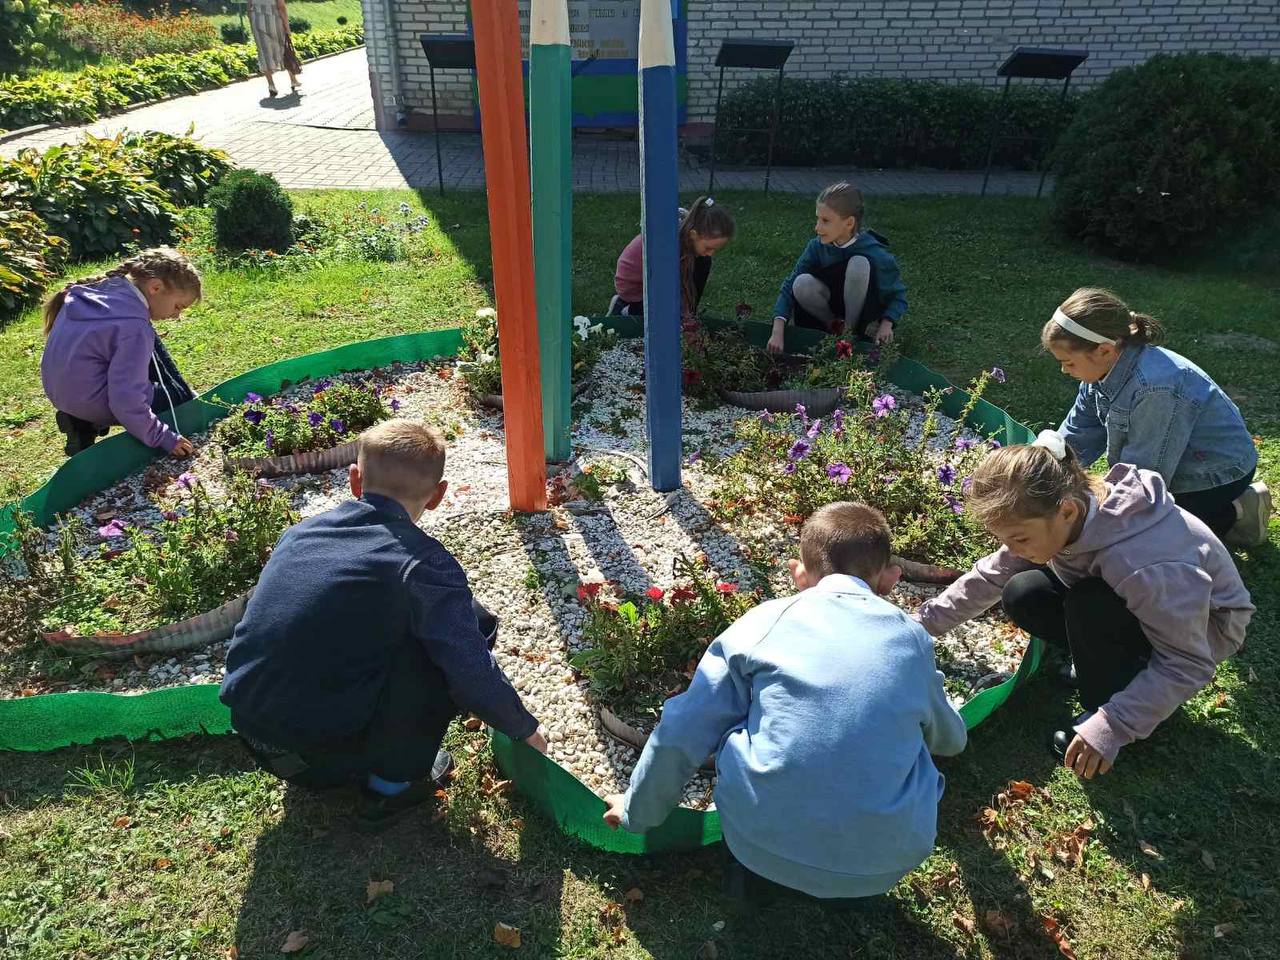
[(52, 721)]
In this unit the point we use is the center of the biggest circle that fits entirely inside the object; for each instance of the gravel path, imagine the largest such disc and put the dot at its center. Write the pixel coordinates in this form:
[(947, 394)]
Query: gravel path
[(527, 568)]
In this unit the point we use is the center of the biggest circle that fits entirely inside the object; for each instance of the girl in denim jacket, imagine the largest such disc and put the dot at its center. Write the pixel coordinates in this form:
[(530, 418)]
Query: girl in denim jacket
[(1144, 405)]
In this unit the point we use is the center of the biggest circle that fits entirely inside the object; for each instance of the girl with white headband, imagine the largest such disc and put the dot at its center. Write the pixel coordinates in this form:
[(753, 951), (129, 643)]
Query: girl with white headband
[(1144, 598), (1142, 404)]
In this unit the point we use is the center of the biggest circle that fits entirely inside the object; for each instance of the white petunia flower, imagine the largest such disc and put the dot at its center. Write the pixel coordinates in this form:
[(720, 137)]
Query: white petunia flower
[(486, 313)]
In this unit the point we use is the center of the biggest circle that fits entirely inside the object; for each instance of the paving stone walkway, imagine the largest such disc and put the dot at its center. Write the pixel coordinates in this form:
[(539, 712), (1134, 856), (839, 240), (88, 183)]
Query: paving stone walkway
[(326, 138)]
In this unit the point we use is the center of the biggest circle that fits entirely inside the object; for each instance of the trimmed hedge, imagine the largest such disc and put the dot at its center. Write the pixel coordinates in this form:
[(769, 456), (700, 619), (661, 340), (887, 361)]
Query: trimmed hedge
[(888, 123), (98, 91), (1163, 156)]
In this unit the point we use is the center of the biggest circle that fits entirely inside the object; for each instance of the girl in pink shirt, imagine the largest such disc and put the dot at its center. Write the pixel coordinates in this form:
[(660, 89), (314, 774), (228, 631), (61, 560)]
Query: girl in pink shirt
[(704, 230)]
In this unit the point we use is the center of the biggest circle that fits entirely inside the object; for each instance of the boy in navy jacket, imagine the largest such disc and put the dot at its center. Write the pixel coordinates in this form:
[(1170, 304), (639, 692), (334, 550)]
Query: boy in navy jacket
[(362, 641)]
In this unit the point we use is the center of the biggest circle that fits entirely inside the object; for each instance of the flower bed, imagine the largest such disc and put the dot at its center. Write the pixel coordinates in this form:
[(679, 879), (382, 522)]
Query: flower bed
[(112, 31), (608, 529)]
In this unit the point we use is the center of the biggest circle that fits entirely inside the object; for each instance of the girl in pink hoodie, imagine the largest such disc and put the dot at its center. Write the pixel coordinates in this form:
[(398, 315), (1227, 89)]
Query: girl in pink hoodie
[(103, 363), (1144, 597)]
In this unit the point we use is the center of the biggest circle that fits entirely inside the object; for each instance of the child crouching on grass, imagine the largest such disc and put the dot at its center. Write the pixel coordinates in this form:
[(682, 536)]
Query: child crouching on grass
[(822, 710), (1146, 599)]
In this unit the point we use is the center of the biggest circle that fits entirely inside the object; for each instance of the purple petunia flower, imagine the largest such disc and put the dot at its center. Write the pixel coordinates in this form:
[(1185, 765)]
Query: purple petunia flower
[(337, 425), (270, 440), (693, 458), (798, 450), (315, 419), (766, 416), (946, 474), (188, 480), (254, 416), (231, 536), (997, 375), (966, 485), (815, 428), (789, 468), (837, 421), (873, 356), (111, 530), (839, 472), (252, 397), (955, 505), (995, 444), (322, 385), (888, 479), (291, 408), (170, 515), (884, 404), (964, 443), (395, 405), (802, 413)]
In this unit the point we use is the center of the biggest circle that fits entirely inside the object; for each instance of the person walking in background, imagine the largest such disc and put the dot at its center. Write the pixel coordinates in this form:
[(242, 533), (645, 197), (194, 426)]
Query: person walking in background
[(269, 22)]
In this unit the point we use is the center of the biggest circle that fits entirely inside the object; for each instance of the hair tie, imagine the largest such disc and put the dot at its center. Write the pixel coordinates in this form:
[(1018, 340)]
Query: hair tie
[(1078, 329), (1052, 441), (708, 202)]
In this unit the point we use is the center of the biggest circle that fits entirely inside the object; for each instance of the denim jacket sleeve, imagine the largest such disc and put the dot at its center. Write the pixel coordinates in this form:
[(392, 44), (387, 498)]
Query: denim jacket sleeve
[(1082, 428), (1160, 424)]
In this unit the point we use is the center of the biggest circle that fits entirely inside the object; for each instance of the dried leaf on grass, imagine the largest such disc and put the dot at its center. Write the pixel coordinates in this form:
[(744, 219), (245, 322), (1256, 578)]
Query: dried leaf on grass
[(1146, 883), (122, 822), (233, 953), (612, 918), (962, 923), (506, 935), (1221, 930), (161, 863), (490, 786), (1149, 850), (1058, 936), (472, 723), (296, 940), (377, 888)]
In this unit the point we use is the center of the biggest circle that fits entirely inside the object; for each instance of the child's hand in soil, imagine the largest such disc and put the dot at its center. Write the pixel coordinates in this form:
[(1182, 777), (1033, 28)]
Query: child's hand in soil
[(1085, 760), (538, 739), (613, 816), (884, 333), (777, 342), (183, 448)]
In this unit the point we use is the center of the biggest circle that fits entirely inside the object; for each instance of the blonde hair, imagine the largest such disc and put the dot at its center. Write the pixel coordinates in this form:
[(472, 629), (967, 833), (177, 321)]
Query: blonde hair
[(159, 263), (401, 458), (845, 537), (1027, 482), (1104, 313), (843, 198)]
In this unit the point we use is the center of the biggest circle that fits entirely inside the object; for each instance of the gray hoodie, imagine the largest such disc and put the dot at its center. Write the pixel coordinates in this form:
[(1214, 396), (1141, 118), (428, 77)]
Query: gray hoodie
[(1174, 575)]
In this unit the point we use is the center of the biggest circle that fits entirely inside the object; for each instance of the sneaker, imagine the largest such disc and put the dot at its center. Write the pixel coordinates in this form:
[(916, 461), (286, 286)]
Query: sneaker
[(1254, 507), (613, 307), (1062, 738), (378, 812)]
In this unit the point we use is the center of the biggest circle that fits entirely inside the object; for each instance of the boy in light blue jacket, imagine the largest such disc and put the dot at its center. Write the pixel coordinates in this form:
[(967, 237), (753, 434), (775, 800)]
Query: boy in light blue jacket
[(822, 710)]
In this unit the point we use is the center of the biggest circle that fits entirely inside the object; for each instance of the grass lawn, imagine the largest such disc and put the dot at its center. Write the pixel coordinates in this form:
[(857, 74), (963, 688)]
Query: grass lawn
[(323, 14), (182, 849)]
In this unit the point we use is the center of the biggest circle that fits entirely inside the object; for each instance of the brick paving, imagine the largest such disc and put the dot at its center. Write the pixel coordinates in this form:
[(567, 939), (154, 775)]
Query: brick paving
[(326, 138)]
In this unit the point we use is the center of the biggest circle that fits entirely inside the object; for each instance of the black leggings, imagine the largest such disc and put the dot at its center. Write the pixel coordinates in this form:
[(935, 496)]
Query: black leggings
[(400, 741), (1087, 619), (1216, 506)]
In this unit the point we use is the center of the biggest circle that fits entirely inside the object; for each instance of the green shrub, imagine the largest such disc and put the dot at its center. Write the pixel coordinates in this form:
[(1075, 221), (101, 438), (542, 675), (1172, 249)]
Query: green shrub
[(111, 31), (884, 122), (299, 24), (30, 256), (1169, 152), (342, 21), (181, 167), (98, 91), (481, 366), (234, 33), (251, 210), (26, 29)]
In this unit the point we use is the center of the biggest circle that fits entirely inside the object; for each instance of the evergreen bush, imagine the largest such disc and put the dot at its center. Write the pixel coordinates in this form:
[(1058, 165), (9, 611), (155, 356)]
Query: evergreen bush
[(251, 211)]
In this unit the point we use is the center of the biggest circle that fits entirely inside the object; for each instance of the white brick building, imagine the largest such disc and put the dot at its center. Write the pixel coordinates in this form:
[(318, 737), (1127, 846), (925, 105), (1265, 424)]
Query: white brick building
[(954, 40)]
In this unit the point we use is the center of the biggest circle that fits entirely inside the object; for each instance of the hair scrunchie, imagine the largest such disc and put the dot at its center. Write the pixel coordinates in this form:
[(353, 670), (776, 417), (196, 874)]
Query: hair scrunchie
[(1052, 441)]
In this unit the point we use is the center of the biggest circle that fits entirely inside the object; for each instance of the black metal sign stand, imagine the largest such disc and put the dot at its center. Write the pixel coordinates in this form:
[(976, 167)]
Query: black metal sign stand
[(751, 55), (453, 51)]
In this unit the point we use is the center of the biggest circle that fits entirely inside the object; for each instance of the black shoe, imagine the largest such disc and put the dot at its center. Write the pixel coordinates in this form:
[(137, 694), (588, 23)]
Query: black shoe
[(442, 768), (378, 811), (1062, 738)]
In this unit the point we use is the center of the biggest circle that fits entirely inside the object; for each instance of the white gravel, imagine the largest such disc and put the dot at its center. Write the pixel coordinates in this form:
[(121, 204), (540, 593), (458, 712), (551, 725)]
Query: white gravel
[(527, 568)]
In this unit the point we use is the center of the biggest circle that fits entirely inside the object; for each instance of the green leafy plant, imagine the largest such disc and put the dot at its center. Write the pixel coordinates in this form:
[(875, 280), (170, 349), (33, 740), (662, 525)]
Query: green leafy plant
[(888, 122), (97, 91), (202, 553), (30, 256), (180, 166), (1169, 153), (726, 360), (299, 24), (112, 31), (251, 210), (481, 367), (333, 414), (644, 649), (233, 33), (27, 27), (595, 478), (790, 465)]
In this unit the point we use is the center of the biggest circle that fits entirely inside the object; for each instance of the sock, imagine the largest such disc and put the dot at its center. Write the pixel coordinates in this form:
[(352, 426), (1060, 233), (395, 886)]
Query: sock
[(387, 788)]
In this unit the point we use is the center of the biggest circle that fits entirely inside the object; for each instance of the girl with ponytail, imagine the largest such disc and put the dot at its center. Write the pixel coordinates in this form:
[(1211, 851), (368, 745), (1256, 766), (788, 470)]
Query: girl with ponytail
[(103, 363), (705, 229), (1148, 406), (1139, 593)]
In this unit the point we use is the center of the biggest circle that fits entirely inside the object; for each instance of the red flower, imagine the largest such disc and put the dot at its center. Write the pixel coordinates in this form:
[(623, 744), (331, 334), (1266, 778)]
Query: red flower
[(691, 377), (743, 310), (844, 348), (727, 587), (586, 591), (654, 593), (682, 595)]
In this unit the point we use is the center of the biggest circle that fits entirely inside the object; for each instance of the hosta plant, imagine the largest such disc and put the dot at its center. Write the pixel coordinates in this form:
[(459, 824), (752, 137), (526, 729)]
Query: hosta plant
[(332, 414), (30, 257)]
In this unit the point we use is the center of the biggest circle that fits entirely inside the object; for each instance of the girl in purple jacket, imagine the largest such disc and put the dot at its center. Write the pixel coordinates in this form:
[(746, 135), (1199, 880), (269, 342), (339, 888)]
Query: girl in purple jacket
[(103, 363), (1144, 597)]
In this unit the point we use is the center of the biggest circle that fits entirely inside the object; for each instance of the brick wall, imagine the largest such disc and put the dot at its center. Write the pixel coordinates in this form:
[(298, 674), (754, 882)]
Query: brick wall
[(957, 40)]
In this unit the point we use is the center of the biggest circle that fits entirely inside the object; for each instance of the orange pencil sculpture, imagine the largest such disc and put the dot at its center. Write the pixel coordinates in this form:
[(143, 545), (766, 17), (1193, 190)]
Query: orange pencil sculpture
[(506, 169)]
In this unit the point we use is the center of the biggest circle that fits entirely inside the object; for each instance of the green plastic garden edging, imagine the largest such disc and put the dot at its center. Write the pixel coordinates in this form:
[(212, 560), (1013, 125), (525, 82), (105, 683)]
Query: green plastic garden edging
[(56, 720)]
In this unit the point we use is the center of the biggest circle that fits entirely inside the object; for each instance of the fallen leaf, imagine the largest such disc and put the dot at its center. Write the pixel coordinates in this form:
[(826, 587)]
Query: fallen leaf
[(162, 863), (996, 922), (472, 723), (295, 941), (1253, 676), (1149, 850), (377, 888), (1021, 789), (708, 950), (233, 953), (506, 935), (634, 895), (442, 794), (517, 823), (122, 821), (1207, 859), (1221, 930), (612, 919), (1146, 882), (1056, 934), (962, 923), (718, 926)]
